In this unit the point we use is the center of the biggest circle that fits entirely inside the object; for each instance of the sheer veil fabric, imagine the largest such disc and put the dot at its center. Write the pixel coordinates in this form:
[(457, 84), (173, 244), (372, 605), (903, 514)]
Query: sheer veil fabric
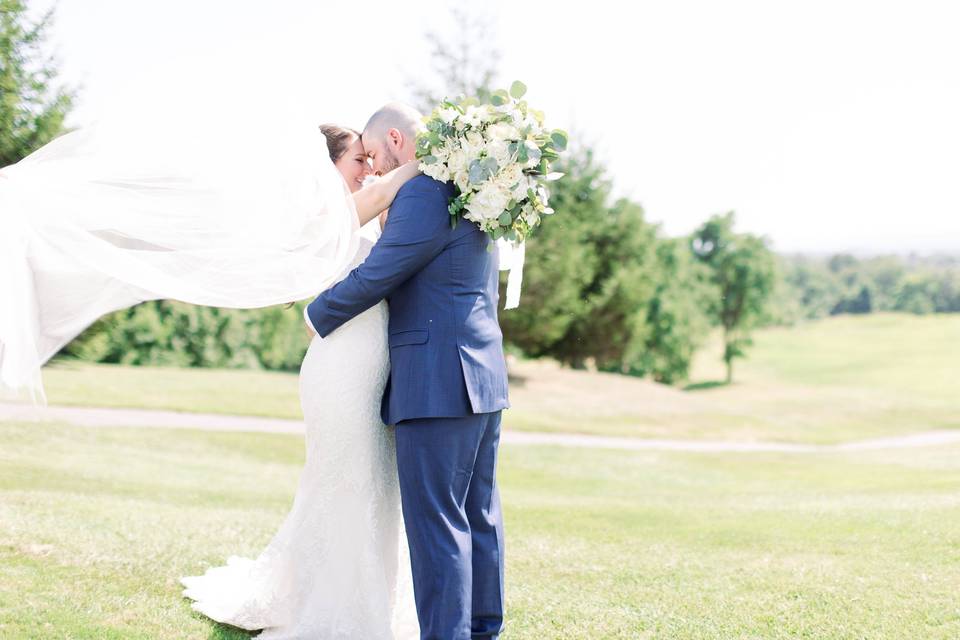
[(229, 210)]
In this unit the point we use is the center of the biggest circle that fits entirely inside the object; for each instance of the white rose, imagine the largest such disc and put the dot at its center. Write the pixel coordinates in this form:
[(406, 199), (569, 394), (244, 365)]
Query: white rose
[(511, 175), (457, 161), (448, 115), (513, 172), (489, 202), (499, 151), (462, 180), (473, 116), (437, 171), (526, 183), (502, 131), (472, 145), (484, 113), (440, 153)]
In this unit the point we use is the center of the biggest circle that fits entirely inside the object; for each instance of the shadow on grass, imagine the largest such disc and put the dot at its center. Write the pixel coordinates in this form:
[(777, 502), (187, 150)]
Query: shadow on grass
[(515, 379), (220, 631), (226, 632), (66, 363), (708, 384)]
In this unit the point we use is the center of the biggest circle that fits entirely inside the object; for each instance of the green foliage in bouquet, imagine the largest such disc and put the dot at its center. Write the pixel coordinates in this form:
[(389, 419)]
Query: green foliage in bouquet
[(498, 153)]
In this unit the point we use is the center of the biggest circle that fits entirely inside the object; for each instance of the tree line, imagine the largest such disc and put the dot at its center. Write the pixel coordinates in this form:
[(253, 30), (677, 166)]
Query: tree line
[(603, 286)]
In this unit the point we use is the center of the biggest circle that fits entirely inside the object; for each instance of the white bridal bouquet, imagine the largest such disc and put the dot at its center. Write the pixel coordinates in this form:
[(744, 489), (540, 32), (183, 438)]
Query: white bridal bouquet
[(498, 154)]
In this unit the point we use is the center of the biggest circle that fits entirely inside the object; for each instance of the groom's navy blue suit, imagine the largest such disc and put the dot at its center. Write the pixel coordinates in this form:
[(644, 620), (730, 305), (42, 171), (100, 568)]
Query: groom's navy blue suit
[(448, 383)]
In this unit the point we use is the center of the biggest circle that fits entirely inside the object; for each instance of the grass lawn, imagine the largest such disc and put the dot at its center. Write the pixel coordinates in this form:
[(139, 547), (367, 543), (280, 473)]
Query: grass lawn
[(96, 525), (834, 380)]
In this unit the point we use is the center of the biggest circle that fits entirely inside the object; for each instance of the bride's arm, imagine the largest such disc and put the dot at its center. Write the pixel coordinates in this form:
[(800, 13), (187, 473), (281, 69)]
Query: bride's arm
[(377, 196)]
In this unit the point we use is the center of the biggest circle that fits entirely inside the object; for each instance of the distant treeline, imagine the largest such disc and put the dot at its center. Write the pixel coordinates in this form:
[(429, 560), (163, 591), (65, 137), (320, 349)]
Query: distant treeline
[(842, 283), (603, 286)]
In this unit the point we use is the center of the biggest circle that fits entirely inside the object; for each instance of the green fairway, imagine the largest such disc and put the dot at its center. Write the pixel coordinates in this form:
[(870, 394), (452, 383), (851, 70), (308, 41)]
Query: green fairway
[(834, 380), (97, 524)]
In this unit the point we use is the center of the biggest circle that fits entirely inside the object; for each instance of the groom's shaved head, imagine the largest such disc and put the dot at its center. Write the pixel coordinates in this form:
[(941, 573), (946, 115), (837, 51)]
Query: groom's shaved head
[(390, 137), (394, 115)]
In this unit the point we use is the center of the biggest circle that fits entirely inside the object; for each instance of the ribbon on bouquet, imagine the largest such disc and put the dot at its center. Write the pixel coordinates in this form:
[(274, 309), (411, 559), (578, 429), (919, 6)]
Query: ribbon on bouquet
[(512, 257)]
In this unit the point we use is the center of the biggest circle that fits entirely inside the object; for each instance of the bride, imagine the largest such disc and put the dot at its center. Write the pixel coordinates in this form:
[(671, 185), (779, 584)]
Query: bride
[(93, 223), (331, 571)]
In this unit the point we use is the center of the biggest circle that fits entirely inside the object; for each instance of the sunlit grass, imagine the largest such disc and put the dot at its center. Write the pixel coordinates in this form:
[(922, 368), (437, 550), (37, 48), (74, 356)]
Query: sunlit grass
[(96, 525)]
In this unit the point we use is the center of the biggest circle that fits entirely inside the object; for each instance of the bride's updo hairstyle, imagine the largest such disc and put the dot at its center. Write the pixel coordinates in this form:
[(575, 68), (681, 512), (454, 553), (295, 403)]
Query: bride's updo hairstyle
[(338, 139)]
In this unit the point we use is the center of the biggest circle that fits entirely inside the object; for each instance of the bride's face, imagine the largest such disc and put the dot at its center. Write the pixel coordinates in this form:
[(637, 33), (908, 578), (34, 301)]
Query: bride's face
[(354, 165)]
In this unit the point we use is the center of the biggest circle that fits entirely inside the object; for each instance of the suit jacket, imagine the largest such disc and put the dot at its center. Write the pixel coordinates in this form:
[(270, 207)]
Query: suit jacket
[(446, 347)]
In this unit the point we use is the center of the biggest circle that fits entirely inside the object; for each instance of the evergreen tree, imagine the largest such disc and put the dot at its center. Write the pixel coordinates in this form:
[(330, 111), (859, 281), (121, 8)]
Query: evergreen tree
[(32, 105)]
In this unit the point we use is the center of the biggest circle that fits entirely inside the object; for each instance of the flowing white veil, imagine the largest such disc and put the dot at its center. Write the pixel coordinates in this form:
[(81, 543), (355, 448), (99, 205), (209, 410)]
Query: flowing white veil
[(223, 209)]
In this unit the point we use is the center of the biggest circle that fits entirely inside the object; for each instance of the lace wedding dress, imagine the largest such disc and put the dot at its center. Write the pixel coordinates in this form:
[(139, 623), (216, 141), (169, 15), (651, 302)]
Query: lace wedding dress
[(338, 568)]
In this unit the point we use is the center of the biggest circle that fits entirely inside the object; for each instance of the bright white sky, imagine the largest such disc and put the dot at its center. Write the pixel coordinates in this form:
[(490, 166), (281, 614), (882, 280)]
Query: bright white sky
[(827, 125)]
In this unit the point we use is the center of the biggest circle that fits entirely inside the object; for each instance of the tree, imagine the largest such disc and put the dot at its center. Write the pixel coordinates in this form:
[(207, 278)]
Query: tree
[(610, 326), (677, 316), (32, 107), (560, 261), (917, 294), (166, 332), (947, 295), (743, 271), (814, 285), (463, 61), (885, 274), (857, 300), (601, 286)]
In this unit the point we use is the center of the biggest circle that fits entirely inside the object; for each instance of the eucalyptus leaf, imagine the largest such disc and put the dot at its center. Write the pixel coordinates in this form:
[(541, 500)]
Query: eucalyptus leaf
[(560, 139), (476, 173), (533, 151), (499, 98), (522, 154), (518, 89), (490, 166), (481, 170)]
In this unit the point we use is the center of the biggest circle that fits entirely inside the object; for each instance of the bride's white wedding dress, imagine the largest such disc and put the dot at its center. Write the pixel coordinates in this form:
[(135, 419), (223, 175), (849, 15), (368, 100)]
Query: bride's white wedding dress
[(338, 568)]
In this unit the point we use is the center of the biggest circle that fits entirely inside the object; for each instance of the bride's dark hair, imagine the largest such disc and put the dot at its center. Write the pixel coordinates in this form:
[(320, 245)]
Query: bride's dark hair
[(338, 139)]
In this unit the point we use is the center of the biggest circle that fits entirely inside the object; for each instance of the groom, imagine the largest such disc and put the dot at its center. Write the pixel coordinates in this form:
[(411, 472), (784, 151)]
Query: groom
[(447, 386)]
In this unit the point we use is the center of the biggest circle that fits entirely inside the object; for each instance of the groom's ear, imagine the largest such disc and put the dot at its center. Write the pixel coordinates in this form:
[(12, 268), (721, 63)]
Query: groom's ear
[(395, 138)]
